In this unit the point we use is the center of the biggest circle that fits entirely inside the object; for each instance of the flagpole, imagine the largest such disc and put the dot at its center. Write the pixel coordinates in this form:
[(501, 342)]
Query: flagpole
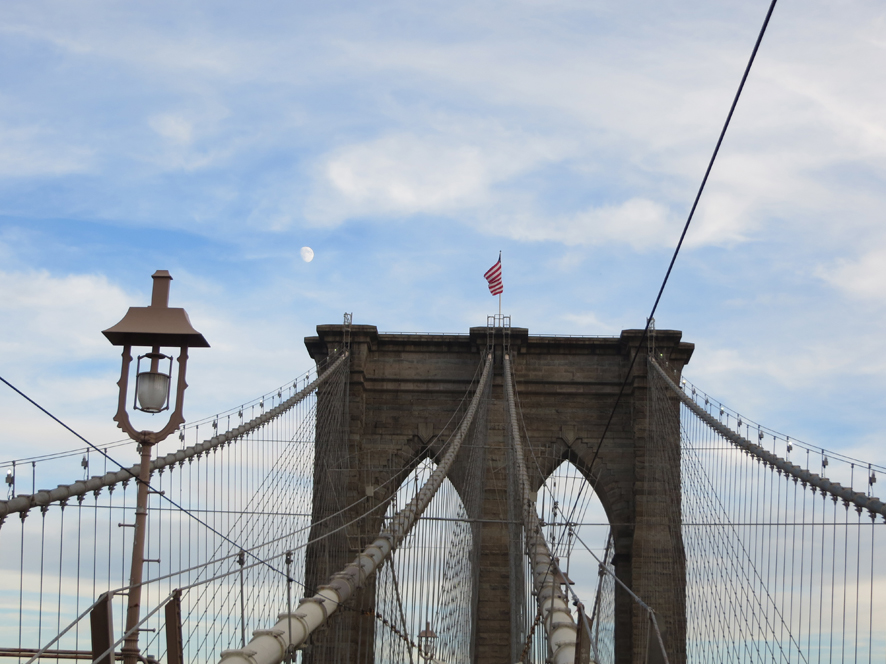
[(493, 277), (499, 295)]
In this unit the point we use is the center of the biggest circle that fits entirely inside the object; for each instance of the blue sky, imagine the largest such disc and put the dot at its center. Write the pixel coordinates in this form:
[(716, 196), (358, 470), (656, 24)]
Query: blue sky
[(407, 143)]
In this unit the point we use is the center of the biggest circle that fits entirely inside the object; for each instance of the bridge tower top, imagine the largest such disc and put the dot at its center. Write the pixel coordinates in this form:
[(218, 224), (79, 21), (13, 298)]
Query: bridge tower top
[(403, 389), (367, 339)]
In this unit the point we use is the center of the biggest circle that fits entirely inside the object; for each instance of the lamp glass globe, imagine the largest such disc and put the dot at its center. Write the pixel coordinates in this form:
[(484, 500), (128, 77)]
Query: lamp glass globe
[(152, 390)]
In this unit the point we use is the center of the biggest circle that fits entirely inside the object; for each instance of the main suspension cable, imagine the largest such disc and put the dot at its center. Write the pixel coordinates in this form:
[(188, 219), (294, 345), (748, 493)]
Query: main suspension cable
[(685, 228), (136, 478)]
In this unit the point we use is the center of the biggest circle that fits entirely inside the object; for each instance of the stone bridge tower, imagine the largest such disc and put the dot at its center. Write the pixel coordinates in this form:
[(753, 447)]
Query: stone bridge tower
[(403, 389)]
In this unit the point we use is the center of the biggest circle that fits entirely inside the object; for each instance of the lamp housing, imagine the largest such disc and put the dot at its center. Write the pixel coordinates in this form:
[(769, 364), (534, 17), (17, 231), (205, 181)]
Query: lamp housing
[(155, 326), (426, 641)]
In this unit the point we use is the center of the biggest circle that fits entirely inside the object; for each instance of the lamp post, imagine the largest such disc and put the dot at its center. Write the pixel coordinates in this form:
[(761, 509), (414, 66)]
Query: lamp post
[(156, 326), (426, 642)]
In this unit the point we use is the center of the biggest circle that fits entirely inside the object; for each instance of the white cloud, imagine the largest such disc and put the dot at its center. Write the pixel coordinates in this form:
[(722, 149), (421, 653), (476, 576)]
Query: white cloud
[(864, 277), (652, 116), (637, 222), (173, 127), (49, 319), (50, 329), (407, 176), (634, 111), (33, 151), (407, 173), (193, 137), (469, 175), (124, 34)]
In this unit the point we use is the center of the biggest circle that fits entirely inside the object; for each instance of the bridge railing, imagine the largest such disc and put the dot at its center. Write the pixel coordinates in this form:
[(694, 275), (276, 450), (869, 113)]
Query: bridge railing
[(754, 445), (211, 507), (782, 564), (28, 475), (853, 473)]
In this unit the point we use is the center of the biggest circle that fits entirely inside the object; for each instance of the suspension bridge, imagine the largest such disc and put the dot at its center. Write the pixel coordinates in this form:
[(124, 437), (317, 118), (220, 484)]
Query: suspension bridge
[(485, 497)]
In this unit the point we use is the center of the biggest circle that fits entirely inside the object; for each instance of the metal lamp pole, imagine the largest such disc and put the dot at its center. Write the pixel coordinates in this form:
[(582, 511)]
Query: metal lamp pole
[(155, 326), (130, 648)]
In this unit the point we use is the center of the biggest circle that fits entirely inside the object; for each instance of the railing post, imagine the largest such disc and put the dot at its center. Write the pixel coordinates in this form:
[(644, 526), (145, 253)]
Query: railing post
[(174, 643), (101, 625), (241, 560)]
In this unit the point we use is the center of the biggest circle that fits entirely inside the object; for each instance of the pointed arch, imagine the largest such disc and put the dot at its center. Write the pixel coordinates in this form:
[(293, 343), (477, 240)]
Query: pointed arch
[(428, 583)]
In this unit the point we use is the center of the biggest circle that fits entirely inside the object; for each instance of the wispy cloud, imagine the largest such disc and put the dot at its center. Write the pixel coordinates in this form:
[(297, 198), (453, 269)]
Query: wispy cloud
[(863, 277), (408, 152), (50, 319), (436, 172), (29, 151)]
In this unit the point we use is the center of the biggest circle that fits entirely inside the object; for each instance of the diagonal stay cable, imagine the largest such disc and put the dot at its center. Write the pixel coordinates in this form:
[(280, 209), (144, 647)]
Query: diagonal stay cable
[(383, 504), (293, 629), (704, 181), (136, 478)]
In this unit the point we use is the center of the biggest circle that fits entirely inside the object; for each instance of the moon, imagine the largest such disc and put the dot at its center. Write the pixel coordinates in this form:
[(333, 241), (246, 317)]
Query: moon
[(307, 254)]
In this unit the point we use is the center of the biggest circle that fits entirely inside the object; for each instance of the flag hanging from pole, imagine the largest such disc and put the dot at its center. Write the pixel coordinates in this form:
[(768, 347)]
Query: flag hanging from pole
[(493, 276)]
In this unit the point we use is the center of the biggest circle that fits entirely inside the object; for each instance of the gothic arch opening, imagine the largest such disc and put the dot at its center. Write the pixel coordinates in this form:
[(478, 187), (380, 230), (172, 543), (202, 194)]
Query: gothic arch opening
[(427, 587), (579, 532)]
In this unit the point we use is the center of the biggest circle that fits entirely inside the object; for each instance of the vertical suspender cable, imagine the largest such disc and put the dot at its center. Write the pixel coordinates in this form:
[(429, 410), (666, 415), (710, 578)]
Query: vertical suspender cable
[(270, 646)]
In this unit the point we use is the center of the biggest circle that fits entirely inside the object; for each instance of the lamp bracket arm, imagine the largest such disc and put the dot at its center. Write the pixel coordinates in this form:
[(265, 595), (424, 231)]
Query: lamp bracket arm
[(122, 417)]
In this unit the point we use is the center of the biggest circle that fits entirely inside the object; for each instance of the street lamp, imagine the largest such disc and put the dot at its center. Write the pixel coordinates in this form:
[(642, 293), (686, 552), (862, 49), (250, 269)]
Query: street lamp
[(426, 639), (155, 327)]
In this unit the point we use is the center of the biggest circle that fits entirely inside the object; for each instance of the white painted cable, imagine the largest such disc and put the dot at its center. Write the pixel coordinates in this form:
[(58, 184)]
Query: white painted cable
[(269, 646), (561, 630)]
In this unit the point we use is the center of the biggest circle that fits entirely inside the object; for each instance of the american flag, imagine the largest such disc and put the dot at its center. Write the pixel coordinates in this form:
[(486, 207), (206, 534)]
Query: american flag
[(493, 276)]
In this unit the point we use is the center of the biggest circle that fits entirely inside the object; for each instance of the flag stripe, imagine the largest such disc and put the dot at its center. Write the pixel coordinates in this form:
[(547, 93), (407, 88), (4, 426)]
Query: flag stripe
[(493, 276)]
